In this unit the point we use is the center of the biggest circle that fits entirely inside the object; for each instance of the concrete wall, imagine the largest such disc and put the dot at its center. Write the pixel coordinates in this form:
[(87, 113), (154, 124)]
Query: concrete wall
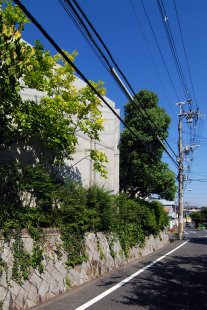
[(81, 167), (56, 277)]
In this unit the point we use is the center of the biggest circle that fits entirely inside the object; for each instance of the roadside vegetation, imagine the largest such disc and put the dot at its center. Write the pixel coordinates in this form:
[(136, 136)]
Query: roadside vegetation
[(35, 193), (79, 211), (199, 218)]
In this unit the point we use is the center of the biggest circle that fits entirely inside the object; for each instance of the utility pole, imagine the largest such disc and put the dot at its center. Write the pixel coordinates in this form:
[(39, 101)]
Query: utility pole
[(191, 116), (180, 173)]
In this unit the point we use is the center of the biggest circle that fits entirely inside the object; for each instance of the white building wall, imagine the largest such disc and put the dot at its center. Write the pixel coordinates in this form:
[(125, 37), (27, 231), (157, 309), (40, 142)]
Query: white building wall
[(81, 168)]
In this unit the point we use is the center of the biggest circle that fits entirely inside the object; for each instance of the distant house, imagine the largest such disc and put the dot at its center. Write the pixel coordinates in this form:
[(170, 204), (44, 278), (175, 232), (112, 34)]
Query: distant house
[(189, 209), (170, 207)]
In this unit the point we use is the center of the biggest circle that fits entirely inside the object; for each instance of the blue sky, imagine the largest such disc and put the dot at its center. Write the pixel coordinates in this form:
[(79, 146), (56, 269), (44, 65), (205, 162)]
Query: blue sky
[(116, 22)]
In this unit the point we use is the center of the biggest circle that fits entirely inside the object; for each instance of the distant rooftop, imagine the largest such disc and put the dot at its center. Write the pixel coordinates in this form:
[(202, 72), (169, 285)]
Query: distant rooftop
[(166, 202)]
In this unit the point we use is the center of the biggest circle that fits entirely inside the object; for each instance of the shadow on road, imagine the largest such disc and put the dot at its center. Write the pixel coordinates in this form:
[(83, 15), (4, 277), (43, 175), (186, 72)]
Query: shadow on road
[(198, 240), (178, 283)]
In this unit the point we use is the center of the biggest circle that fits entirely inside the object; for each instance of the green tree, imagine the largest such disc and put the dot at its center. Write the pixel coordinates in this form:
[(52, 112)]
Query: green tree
[(140, 172), (63, 110), (199, 217), (204, 214)]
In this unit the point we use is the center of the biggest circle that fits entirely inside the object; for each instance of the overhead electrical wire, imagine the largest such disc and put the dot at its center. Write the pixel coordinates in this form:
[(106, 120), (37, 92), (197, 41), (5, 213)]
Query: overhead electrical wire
[(99, 38), (199, 129), (80, 22), (178, 65), (89, 39), (193, 116), (55, 45), (185, 52), (150, 53), (159, 49), (193, 134), (110, 69), (186, 93), (86, 35), (173, 49)]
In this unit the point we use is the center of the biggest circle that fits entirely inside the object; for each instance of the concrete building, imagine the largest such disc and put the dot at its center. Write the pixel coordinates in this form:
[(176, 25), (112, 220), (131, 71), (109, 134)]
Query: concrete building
[(81, 168)]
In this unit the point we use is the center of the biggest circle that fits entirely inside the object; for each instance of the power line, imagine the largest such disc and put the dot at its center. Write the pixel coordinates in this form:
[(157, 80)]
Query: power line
[(111, 69), (55, 45), (173, 49), (150, 53), (89, 39), (199, 180), (101, 41), (82, 32), (159, 49), (193, 134), (186, 58), (188, 133)]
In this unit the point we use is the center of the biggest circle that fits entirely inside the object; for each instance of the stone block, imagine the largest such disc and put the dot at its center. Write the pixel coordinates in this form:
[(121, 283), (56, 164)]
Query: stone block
[(50, 267), (35, 280), (96, 256), (56, 274), (84, 265), (21, 298), (33, 294), (44, 288), (29, 304), (53, 287), (51, 257), (3, 279), (47, 277), (74, 277), (26, 286), (8, 301), (90, 255), (5, 252), (28, 244), (61, 285), (78, 268), (63, 272), (15, 288), (49, 295), (9, 260), (3, 292), (58, 264)]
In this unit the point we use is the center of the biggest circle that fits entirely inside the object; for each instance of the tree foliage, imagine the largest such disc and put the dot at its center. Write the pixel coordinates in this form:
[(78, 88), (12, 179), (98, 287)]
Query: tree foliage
[(140, 172), (62, 111), (199, 217), (30, 196)]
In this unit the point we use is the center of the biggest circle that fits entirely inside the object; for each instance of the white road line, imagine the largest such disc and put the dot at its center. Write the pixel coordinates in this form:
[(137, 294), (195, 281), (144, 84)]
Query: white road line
[(115, 287)]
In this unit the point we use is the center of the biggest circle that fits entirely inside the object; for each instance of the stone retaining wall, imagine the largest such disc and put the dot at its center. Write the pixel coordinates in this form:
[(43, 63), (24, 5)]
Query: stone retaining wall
[(104, 254)]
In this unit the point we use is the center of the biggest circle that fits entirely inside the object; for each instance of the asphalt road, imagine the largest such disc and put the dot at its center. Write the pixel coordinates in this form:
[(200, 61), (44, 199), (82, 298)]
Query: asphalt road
[(177, 280)]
